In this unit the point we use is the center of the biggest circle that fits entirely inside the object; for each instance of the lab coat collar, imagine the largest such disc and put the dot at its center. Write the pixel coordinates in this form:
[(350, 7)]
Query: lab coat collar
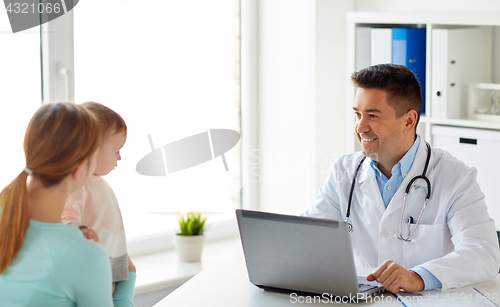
[(417, 168), (404, 165), (369, 186)]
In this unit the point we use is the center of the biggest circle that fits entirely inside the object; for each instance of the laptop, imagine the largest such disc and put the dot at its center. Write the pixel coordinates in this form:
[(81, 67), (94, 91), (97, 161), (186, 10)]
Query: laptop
[(308, 256)]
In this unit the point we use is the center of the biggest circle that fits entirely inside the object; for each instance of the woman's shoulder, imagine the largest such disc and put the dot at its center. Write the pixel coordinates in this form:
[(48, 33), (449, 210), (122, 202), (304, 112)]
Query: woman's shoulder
[(80, 245), (64, 239), (76, 265), (61, 255), (78, 256)]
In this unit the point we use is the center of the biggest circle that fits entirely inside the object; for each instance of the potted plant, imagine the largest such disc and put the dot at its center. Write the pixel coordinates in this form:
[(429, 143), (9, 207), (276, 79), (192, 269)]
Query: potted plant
[(189, 241)]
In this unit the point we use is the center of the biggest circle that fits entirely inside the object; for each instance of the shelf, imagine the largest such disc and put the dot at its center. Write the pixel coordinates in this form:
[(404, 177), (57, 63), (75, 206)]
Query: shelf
[(462, 122), (477, 19), (467, 123)]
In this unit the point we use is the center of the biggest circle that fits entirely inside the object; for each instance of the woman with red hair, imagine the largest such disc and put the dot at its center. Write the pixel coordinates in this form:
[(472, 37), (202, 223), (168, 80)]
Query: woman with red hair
[(42, 261)]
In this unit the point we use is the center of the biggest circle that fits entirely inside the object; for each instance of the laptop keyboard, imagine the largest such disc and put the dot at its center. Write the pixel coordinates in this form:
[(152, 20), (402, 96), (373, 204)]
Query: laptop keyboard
[(366, 287)]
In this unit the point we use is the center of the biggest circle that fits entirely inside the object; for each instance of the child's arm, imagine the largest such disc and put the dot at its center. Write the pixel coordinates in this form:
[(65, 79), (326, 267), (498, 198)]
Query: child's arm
[(124, 291)]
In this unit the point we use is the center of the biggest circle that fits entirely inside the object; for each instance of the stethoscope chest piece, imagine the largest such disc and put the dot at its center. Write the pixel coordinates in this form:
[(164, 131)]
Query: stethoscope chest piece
[(349, 224)]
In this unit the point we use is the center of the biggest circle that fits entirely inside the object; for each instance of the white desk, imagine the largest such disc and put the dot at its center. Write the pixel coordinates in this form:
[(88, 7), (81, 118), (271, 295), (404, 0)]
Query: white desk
[(163, 270), (226, 284)]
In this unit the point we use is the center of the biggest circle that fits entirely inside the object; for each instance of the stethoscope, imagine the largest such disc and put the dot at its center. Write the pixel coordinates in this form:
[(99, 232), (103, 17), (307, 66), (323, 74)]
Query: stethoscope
[(410, 219)]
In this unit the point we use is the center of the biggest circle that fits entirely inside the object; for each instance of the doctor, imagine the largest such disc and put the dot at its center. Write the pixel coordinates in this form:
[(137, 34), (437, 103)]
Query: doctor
[(454, 242)]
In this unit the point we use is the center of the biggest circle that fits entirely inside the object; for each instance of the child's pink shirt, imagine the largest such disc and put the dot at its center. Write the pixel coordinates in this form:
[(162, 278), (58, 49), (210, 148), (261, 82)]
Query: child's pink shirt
[(94, 205)]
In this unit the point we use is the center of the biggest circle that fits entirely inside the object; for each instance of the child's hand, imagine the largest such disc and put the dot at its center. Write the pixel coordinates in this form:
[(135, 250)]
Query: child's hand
[(131, 266), (89, 233)]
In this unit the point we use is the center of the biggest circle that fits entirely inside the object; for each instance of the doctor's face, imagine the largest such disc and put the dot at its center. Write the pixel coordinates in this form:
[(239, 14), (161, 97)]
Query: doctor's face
[(379, 131)]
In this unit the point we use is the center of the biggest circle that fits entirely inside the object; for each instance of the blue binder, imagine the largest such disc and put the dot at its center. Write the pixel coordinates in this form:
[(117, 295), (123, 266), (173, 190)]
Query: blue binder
[(408, 48)]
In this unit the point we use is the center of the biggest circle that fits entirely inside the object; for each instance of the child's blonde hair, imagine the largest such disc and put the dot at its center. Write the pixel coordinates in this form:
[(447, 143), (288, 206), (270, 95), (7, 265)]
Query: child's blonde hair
[(111, 122)]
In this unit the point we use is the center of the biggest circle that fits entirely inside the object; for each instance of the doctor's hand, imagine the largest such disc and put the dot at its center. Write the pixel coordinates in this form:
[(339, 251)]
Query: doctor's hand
[(394, 278)]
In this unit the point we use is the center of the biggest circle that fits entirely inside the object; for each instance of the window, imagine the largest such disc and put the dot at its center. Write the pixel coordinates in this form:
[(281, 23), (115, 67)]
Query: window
[(20, 96), (170, 68)]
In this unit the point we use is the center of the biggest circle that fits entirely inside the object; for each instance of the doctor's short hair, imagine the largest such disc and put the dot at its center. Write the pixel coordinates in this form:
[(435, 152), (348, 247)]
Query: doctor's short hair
[(403, 89)]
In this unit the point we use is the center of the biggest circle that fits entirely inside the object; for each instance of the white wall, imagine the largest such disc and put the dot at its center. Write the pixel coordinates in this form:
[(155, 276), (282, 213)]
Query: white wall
[(301, 77), (331, 76), (286, 103), (301, 73)]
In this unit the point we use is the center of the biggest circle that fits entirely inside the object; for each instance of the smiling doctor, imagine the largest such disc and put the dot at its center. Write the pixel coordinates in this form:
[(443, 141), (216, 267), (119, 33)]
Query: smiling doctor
[(415, 243)]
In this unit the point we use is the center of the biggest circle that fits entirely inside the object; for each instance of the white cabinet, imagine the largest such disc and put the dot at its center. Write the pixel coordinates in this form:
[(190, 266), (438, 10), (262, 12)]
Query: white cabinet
[(478, 148)]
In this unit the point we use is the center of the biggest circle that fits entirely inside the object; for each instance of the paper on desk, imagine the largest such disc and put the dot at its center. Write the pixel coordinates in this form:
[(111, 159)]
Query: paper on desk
[(472, 297)]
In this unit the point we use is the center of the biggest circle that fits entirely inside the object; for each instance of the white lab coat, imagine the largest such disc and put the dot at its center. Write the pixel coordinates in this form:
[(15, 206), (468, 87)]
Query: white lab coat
[(456, 239)]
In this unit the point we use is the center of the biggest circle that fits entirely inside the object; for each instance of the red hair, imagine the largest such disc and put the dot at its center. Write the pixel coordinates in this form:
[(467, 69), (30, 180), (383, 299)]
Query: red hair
[(58, 138), (110, 121)]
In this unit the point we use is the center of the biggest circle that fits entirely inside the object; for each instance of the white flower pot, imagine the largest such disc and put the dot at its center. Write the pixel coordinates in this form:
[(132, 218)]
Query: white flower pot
[(189, 248)]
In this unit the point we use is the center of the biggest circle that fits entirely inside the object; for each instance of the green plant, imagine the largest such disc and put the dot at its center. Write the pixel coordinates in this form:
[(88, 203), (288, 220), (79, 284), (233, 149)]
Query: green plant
[(191, 224)]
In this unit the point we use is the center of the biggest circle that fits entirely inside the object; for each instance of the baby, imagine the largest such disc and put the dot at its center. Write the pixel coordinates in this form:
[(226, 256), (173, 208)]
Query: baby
[(93, 207)]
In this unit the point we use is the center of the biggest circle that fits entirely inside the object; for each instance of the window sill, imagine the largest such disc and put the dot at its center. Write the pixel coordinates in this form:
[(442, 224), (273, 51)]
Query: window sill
[(165, 241), (161, 270)]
